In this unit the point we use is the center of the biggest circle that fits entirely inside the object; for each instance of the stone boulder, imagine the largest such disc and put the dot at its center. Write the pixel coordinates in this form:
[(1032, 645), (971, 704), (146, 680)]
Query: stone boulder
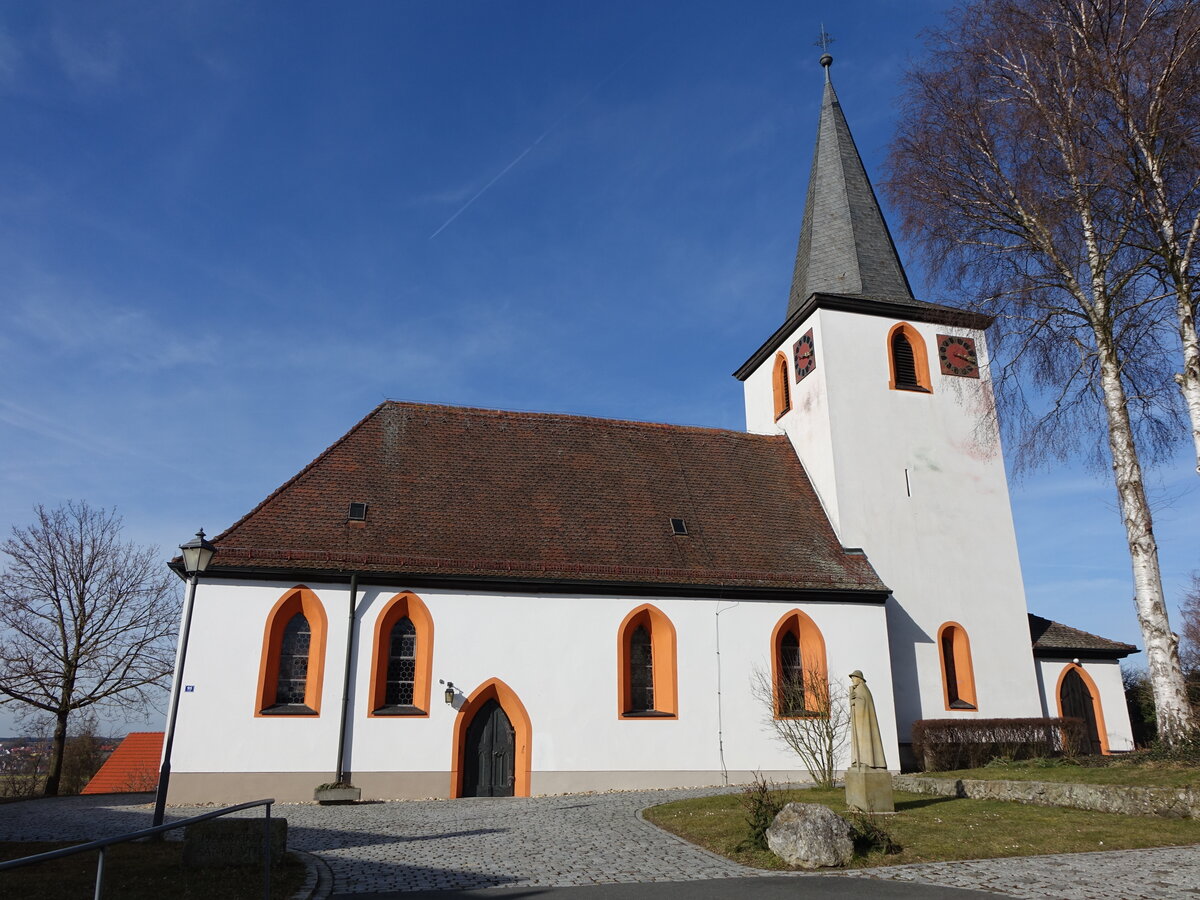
[(810, 836)]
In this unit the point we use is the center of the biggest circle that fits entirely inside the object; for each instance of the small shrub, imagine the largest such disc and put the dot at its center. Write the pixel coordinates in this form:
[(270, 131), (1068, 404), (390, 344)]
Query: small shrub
[(871, 837), (1186, 750), (761, 801)]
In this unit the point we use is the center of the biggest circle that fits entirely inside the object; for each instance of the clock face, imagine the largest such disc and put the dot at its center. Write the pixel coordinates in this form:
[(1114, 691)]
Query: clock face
[(805, 355), (957, 355)]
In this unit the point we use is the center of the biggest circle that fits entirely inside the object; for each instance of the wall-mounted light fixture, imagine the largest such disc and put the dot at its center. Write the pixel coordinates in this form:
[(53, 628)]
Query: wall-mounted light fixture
[(449, 693)]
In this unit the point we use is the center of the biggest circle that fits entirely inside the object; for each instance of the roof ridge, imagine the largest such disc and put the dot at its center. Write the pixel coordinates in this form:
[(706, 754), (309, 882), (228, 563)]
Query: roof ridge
[(571, 417)]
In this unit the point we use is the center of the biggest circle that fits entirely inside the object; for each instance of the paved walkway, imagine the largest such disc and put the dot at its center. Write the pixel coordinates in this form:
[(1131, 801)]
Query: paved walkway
[(582, 839)]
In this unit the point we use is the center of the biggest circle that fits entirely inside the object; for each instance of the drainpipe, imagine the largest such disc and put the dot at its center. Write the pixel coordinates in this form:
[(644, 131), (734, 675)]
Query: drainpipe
[(342, 776)]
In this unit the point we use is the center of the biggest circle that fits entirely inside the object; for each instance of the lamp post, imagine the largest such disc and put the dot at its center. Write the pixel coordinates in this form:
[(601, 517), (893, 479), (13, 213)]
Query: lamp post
[(197, 553)]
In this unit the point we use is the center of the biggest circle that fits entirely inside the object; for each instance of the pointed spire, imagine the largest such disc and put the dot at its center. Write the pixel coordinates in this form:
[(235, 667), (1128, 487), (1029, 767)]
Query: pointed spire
[(845, 246)]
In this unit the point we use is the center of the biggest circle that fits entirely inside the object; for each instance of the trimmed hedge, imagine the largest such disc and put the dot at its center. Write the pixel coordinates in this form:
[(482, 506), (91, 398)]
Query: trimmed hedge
[(947, 744)]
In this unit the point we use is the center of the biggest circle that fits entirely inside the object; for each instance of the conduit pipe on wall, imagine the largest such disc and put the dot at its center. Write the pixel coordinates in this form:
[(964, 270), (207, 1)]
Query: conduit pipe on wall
[(720, 723), (342, 776)]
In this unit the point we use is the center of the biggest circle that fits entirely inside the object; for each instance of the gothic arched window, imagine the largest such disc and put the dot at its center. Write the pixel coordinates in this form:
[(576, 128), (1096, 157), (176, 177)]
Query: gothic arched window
[(402, 666), (293, 660), (958, 676), (646, 677)]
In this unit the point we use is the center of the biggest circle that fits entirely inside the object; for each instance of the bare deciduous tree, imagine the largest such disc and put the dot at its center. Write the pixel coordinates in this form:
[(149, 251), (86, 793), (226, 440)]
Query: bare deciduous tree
[(1009, 177), (810, 716), (85, 620)]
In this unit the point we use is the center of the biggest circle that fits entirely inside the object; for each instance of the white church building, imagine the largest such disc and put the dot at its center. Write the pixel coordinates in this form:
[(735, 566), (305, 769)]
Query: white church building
[(464, 602)]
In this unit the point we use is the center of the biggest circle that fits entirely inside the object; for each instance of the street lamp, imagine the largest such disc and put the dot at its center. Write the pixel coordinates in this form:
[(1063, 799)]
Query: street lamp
[(197, 554)]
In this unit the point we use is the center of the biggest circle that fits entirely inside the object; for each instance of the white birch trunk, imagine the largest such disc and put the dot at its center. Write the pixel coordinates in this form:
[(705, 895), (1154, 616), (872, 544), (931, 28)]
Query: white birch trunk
[(1189, 379), (1174, 712)]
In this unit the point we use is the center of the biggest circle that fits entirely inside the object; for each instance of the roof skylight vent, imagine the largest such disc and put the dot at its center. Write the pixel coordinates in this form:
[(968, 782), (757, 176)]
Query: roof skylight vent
[(677, 527), (357, 513)]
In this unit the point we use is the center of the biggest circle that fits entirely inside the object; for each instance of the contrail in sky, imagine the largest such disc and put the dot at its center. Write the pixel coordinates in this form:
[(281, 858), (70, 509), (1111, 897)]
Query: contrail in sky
[(520, 156)]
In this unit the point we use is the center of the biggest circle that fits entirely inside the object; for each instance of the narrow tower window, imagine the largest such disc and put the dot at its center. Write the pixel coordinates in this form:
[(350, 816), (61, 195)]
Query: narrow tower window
[(783, 398), (958, 678), (907, 358)]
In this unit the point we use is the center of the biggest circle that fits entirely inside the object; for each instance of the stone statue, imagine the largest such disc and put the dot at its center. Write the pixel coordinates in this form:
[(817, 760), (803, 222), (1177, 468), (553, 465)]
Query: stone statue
[(868, 782), (866, 746)]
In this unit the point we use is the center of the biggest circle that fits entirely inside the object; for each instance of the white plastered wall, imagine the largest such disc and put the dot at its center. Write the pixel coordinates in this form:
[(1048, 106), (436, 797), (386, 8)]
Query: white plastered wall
[(917, 480), (1106, 676), (558, 653)]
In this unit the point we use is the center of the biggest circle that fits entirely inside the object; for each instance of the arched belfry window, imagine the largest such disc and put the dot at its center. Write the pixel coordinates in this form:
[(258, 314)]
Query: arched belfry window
[(293, 658), (958, 676), (646, 672), (402, 658), (908, 361), (779, 384), (800, 675)]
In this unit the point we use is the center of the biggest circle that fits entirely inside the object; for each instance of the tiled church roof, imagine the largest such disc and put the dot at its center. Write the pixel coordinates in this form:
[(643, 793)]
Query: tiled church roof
[(485, 494), (1053, 638)]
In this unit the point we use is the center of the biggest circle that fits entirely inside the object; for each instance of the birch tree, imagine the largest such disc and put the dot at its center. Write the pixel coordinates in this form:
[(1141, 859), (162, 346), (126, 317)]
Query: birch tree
[(85, 620), (1004, 171), (1143, 59)]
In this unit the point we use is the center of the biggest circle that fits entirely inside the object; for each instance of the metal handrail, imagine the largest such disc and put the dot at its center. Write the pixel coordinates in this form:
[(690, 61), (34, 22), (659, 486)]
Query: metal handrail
[(104, 843)]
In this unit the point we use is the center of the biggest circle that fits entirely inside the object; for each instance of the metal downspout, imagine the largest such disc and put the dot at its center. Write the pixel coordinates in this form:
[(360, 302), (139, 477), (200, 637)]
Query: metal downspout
[(341, 756)]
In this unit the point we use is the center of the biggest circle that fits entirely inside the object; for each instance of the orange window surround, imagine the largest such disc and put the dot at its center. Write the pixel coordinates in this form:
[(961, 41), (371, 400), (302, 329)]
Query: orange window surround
[(779, 383), (899, 377), (406, 605), (302, 600), (662, 648), (796, 631), (495, 689), (958, 675)]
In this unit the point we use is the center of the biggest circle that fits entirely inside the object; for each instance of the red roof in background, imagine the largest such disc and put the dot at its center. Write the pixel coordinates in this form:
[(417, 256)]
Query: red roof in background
[(132, 767), (453, 491)]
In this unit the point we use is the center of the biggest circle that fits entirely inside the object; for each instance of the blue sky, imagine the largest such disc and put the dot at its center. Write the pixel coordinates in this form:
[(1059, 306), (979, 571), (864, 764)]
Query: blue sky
[(228, 230)]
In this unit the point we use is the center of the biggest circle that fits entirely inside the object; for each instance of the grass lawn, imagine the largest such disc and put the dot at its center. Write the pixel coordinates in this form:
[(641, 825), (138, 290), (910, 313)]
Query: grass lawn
[(1119, 771), (138, 871), (935, 828)]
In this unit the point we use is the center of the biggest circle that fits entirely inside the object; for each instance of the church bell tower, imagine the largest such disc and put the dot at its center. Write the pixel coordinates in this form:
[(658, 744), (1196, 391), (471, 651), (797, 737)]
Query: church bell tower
[(888, 403)]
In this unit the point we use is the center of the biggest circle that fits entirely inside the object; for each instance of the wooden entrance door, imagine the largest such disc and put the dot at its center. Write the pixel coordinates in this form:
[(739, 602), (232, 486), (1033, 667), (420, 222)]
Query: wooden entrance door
[(488, 758), (1077, 703)]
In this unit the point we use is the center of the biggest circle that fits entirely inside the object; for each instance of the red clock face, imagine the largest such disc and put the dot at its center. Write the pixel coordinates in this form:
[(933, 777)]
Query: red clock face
[(957, 355), (805, 355)]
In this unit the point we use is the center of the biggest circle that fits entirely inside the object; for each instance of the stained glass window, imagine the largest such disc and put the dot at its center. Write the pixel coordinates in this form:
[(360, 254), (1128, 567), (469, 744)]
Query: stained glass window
[(641, 671), (402, 664), (293, 661), (791, 676)]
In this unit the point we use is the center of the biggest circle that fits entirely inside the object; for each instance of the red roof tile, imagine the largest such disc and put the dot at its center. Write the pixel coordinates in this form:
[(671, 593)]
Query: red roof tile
[(490, 494), (133, 766)]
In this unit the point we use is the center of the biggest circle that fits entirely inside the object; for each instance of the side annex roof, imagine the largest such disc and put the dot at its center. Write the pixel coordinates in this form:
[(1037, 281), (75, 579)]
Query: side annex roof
[(1055, 639)]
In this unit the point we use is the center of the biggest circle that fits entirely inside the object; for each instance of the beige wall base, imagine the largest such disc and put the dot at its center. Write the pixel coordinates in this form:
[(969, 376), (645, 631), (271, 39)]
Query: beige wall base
[(189, 788)]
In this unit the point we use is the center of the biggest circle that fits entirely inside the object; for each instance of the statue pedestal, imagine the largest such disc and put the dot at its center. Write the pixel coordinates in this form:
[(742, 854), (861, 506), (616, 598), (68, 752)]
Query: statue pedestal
[(869, 790)]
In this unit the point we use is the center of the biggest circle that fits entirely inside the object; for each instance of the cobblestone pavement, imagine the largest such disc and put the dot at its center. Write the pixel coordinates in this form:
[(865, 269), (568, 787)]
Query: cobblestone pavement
[(582, 839), (1166, 873)]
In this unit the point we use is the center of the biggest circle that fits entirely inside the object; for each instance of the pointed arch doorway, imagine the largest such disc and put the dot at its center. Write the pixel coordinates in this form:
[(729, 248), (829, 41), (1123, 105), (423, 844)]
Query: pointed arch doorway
[(492, 742), (1078, 699)]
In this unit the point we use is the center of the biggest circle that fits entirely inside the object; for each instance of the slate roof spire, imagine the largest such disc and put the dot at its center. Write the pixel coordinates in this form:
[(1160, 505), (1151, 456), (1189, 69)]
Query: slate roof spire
[(845, 247)]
